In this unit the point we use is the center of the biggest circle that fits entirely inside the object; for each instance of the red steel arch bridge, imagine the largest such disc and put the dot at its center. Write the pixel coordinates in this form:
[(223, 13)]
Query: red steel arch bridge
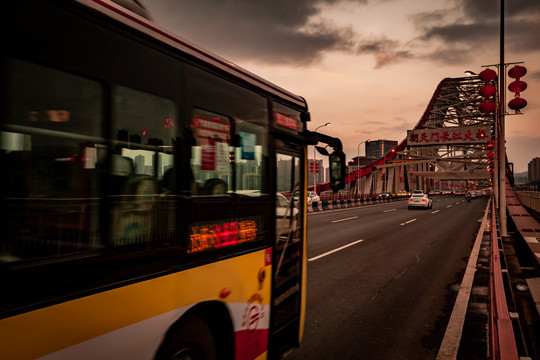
[(448, 149)]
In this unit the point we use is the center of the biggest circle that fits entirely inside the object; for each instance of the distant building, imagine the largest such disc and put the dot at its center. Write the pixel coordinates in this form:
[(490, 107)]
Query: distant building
[(378, 148), (359, 162), (534, 170)]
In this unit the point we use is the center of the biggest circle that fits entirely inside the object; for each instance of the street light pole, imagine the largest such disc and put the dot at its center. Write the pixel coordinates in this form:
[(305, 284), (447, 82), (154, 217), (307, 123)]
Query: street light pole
[(315, 173), (502, 145)]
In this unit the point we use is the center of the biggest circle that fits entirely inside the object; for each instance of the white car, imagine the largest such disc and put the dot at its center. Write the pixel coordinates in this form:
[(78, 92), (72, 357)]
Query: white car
[(284, 221), (418, 200), (312, 196)]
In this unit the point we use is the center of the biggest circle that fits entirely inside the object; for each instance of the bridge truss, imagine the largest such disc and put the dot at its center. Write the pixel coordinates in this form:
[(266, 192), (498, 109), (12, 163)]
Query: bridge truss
[(448, 148)]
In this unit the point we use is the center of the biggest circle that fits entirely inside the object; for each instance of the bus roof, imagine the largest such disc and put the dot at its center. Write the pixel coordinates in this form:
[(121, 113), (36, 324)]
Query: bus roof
[(146, 26)]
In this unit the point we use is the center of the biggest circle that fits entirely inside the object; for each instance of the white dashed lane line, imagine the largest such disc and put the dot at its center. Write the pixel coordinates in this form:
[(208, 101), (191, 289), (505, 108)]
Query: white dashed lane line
[(335, 250), (408, 222), (350, 218)]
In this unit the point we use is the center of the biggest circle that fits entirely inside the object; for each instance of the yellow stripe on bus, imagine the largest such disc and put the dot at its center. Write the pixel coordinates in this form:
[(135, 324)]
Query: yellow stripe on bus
[(41, 332)]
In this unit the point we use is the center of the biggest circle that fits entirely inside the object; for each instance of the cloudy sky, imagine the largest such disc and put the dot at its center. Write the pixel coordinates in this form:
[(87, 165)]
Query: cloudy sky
[(369, 67)]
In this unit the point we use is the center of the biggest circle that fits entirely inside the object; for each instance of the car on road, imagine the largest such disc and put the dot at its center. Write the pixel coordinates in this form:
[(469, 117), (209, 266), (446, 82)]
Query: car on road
[(419, 200), (385, 195), (312, 196)]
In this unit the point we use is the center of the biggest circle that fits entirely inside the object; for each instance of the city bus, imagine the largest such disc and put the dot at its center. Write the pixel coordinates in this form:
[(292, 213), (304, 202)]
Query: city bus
[(153, 193)]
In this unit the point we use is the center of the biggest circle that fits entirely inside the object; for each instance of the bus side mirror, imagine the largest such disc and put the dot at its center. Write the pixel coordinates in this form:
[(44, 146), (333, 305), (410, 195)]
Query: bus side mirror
[(337, 170)]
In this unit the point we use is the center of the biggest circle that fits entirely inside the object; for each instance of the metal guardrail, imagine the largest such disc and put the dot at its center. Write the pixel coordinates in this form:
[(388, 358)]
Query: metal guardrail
[(502, 341), (530, 199)]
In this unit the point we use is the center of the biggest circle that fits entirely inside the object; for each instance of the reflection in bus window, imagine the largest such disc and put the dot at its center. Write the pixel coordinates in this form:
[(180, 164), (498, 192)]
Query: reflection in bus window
[(249, 158), (288, 247), (217, 160), (142, 210), (54, 123), (212, 156)]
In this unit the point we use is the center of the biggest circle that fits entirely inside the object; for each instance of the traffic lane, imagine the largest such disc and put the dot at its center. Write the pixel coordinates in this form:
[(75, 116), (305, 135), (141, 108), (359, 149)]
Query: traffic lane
[(382, 237), (328, 231), (371, 280), (386, 297)]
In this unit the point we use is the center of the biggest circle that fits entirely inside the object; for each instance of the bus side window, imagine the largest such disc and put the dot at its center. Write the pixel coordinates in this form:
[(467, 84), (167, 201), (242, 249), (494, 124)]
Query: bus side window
[(225, 147), (143, 210), (250, 158), (212, 154), (50, 152)]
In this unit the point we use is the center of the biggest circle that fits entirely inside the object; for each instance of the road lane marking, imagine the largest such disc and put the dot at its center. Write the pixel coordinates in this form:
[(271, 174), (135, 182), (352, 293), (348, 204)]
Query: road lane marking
[(436, 211), (351, 218), (449, 206), (410, 221), (389, 210), (457, 203), (335, 250)]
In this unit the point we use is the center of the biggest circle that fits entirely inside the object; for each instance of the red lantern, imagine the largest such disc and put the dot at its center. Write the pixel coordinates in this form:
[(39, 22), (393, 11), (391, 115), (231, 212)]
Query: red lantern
[(517, 72), (487, 107), (517, 103), (490, 155), (517, 86), (488, 91), (488, 75)]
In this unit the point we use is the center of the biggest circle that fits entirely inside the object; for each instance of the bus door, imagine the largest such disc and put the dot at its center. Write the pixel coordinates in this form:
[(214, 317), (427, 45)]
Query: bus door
[(288, 250)]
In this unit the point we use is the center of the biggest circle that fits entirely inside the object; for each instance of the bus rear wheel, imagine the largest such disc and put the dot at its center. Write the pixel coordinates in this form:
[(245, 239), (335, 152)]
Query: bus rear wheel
[(191, 339)]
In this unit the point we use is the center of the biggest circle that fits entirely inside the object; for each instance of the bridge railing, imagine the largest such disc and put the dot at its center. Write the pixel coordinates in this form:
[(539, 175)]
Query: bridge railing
[(530, 199), (502, 341)]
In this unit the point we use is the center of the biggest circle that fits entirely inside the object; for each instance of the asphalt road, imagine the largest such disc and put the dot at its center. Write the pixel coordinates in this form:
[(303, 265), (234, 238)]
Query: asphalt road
[(382, 279)]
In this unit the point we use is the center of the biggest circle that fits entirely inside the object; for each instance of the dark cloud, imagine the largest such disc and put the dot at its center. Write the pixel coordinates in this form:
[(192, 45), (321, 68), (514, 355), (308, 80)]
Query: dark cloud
[(386, 51), (297, 32), (277, 32), (489, 9), (457, 39), (534, 75)]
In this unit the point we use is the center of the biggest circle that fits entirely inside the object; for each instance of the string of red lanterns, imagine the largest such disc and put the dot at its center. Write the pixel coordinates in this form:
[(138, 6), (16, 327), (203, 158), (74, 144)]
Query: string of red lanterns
[(517, 86), (488, 91)]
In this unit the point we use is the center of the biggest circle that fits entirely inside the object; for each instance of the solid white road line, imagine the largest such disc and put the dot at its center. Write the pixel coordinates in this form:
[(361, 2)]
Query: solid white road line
[(452, 337), (389, 210), (351, 218), (335, 250)]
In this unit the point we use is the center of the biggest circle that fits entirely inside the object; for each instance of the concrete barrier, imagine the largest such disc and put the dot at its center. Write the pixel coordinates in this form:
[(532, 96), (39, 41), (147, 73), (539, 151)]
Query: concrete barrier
[(325, 205), (338, 204)]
